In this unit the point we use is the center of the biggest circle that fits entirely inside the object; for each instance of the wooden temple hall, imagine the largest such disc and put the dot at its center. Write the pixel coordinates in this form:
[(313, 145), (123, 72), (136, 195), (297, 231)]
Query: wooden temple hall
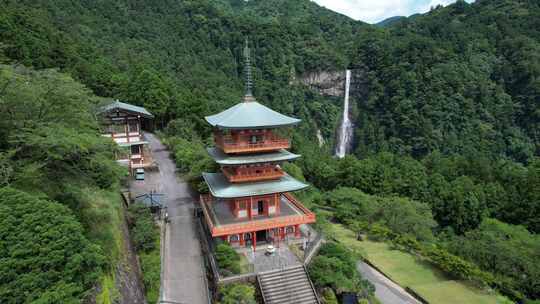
[(251, 201), (123, 123)]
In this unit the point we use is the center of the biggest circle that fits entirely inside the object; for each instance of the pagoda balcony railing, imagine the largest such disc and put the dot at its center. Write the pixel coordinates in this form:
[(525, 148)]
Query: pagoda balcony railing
[(240, 177), (307, 217), (229, 145)]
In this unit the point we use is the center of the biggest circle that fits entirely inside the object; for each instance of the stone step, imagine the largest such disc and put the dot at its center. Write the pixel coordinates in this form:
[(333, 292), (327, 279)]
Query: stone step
[(288, 294), (280, 274), (289, 268), (287, 286), (276, 290), (289, 277), (307, 300)]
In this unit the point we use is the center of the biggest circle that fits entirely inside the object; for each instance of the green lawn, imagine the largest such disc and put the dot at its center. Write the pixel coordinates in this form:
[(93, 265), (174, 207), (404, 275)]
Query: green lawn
[(410, 271)]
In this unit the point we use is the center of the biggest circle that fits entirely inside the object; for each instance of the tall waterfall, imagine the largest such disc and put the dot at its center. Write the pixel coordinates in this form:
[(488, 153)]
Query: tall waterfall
[(346, 129)]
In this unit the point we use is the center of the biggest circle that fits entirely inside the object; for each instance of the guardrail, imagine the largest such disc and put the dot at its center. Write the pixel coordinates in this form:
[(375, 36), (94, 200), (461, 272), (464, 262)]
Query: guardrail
[(307, 218), (312, 248)]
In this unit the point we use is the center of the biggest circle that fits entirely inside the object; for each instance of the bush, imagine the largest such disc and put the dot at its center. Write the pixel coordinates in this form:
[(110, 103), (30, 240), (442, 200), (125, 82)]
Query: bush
[(151, 272), (329, 297), (143, 229), (335, 267), (227, 258), (237, 293)]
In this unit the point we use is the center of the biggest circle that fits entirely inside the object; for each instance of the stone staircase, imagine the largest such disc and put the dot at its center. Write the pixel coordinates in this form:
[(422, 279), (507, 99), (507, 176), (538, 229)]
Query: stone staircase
[(289, 285)]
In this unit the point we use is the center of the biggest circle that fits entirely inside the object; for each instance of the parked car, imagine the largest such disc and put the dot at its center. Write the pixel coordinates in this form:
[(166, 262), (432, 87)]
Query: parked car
[(139, 174)]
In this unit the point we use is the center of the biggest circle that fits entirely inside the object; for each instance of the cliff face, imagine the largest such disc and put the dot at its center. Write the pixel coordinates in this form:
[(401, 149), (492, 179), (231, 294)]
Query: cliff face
[(328, 83)]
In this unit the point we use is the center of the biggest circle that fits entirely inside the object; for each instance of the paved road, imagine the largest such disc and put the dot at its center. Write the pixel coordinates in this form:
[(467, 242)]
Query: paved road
[(183, 277), (386, 291)]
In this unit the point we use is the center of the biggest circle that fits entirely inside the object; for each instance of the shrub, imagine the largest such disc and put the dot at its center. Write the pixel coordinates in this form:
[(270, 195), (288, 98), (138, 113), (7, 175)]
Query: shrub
[(335, 267), (237, 293), (227, 258), (143, 229), (329, 297)]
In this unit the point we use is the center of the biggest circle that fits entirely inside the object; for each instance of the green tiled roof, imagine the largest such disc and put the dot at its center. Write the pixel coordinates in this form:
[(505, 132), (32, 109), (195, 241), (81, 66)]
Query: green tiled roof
[(125, 106), (242, 159), (132, 143), (220, 187), (247, 115)]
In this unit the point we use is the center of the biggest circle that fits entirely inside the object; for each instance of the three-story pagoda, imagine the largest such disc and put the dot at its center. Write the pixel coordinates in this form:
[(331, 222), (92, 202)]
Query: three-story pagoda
[(250, 201)]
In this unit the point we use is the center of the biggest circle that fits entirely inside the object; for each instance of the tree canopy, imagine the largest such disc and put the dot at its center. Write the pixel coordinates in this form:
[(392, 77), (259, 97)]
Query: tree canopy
[(45, 256)]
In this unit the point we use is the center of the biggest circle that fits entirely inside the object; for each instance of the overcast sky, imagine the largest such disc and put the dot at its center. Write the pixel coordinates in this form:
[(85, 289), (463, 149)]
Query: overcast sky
[(373, 11)]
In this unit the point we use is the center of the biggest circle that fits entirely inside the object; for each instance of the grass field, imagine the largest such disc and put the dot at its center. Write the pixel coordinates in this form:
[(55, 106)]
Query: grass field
[(410, 271)]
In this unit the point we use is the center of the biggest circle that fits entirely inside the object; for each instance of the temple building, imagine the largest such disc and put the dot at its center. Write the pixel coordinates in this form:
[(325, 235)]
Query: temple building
[(123, 123), (250, 200)]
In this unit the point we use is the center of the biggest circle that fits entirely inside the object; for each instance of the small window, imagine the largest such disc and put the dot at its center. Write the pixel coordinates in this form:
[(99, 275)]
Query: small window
[(242, 205), (247, 236), (117, 128), (290, 229), (234, 238), (136, 149)]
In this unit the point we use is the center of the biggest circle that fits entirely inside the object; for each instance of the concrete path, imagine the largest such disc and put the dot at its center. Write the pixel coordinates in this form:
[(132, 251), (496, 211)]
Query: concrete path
[(183, 276), (386, 291)]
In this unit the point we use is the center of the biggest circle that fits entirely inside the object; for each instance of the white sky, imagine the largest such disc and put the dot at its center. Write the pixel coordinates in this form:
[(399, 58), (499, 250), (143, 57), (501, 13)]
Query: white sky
[(373, 11)]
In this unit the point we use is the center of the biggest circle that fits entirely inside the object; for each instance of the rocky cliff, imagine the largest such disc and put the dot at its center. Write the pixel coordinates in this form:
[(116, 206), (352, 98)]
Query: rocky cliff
[(328, 83)]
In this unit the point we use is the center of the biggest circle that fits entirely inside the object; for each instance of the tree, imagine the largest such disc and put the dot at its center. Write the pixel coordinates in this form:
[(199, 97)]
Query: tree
[(460, 206), (45, 255), (506, 250), (148, 89)]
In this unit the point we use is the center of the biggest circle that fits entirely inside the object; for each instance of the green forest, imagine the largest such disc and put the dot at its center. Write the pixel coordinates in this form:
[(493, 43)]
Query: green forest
[(446, 108)]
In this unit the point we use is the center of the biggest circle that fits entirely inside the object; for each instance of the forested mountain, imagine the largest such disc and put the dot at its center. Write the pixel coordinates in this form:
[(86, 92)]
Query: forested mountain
[(462, 79), (389, 21), (446, 108)]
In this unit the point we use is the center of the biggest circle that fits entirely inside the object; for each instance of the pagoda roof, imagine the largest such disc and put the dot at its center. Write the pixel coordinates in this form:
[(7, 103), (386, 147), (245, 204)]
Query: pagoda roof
[(220, 186), (117, 105), (249, 115), (241, 159)]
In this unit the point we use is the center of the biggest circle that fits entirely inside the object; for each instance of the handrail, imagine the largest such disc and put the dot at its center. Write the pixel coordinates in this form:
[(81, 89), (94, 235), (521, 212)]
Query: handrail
[(233, 228), (252, 176), (298, 204), (228, 144)]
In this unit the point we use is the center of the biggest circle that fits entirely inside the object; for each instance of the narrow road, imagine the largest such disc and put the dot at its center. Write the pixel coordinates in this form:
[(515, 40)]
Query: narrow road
[(183, 275), (386, 291)]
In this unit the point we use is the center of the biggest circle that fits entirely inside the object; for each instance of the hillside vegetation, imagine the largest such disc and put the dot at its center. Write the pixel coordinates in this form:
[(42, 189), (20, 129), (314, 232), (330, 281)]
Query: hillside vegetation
[(445, 105)]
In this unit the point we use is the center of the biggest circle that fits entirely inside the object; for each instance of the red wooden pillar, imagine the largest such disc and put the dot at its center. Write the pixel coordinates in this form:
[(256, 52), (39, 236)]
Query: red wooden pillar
[(297, 230), (241, 238), (250, 207), (254, 240)]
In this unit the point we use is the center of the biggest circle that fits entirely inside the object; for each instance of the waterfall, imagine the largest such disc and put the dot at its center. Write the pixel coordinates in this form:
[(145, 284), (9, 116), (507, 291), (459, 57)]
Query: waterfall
[(345, 133)]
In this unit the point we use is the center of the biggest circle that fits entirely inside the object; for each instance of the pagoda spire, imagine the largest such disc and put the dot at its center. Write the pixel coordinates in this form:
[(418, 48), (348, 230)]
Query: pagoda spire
[(249, 80)]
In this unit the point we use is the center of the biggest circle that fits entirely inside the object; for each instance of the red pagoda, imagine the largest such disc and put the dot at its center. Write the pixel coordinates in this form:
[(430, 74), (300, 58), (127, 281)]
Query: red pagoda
[(250, 201)]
